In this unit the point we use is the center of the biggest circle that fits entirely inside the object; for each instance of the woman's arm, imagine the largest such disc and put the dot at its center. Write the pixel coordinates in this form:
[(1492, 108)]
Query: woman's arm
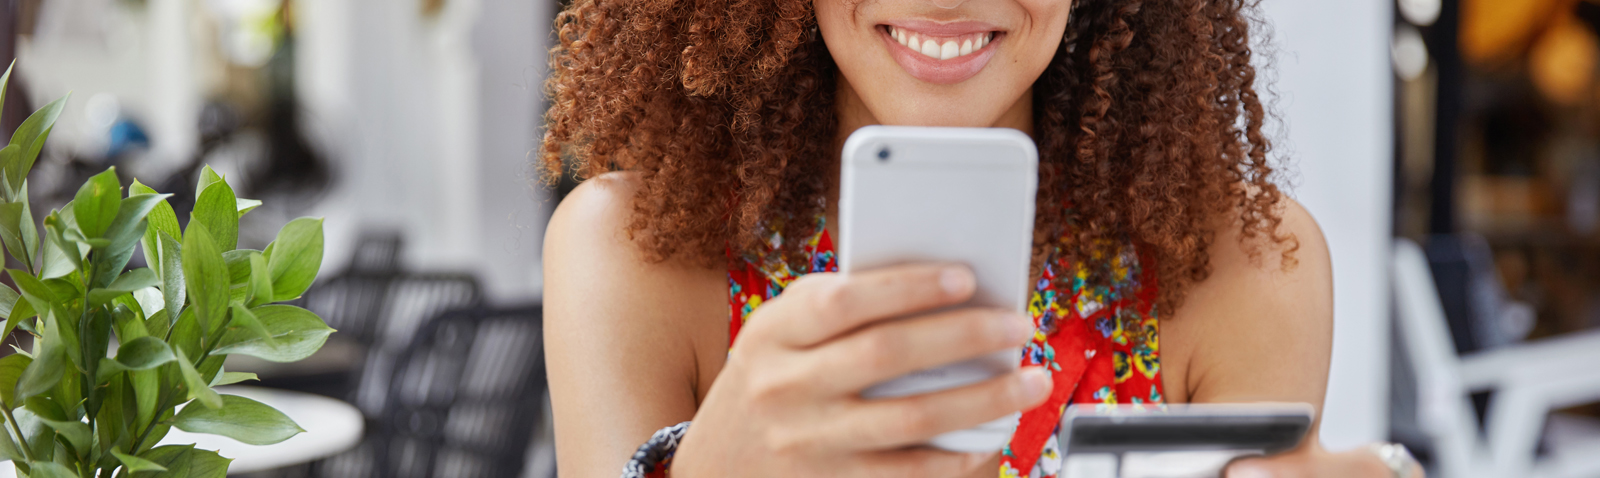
[(1255, 331), (632, 347), (618, 331)]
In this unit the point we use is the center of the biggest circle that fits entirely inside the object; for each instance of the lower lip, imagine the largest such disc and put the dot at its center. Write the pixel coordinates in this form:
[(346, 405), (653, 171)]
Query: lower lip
[(936, 71)]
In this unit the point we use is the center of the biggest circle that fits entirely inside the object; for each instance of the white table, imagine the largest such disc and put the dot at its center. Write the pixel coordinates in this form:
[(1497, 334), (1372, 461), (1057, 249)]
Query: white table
[(331, 427)]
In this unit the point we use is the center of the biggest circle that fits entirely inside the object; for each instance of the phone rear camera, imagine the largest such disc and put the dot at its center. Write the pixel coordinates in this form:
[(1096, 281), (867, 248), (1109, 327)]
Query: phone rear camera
[(883, 155)]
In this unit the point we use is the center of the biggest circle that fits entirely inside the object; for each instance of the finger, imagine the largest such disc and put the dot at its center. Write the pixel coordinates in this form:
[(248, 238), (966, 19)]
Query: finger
[(927, 462), (1310, 464), (903, 421), (839, 303), (890, 349)]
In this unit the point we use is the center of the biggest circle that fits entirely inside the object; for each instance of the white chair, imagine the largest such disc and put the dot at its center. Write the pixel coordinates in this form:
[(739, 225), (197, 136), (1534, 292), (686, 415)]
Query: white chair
[(1529, 380)]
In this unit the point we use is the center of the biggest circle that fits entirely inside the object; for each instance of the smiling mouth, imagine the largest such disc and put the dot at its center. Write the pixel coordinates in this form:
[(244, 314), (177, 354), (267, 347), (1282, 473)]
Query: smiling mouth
[(940, 47)]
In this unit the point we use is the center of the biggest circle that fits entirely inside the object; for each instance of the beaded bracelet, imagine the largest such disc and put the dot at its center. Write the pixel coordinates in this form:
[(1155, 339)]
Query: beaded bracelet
[(654, 457)]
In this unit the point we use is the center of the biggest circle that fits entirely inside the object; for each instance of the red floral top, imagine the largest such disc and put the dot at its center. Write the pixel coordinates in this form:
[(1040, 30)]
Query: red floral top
[(1100, 341)]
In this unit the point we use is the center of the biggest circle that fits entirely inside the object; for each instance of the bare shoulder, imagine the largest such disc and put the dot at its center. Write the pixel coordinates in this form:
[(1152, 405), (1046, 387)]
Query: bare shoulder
[(626, 339), (592, 268), (1258, 328), (594, 211)]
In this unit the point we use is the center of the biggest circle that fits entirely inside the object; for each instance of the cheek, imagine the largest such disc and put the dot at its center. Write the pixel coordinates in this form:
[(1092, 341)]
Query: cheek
[(833, 16), (1048, 24)]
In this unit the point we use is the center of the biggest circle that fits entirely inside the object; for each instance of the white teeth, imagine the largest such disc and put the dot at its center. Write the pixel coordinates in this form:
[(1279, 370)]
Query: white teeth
[(952, 48)]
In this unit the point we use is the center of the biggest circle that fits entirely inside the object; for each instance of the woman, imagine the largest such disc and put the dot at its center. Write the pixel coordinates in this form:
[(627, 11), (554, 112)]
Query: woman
[(1171, 267)]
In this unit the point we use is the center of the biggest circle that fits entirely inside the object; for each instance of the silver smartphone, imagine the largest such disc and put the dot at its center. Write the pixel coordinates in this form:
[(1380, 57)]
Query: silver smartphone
[(966, 195)]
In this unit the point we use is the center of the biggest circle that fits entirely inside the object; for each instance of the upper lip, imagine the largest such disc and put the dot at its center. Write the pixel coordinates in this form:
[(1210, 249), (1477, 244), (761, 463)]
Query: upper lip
[(943, 29)]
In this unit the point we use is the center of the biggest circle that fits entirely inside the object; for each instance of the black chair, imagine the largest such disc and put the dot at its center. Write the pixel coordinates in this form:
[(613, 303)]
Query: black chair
[(465, 396), (464, 401), (351, 303), (377, 251), (409, 302)]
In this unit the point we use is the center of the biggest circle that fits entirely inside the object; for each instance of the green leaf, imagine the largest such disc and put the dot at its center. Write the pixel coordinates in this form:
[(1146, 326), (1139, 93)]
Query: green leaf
[(113, 425), (238, 261), (58, 261), (9, 449), (30, 138), (246, 321), (205, 274), (20, 312), (48, 364), (97, 203), (143, 353), (173, 287), (40, 439), (128, 324), (46, 409), (38, 295), (158, 324), (66, 256), (230, 378), (260, 280), (114, 257), (96, 337), (8, 301), (15, 224), (5, 81), (296, 257), (77, 433), (150, 300), (162, 219), (183, 461), (296, 334), (217, 210), (239, 418), (208, 177), (186, 333), (247, 205), (67, 288), (11, 368), (198, 388), (133, 210), (50, 469), (125, 284), (146, 391), (135, 464)]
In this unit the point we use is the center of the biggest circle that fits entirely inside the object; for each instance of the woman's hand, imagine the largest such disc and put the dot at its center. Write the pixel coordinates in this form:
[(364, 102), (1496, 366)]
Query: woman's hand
[(788, 401), (1315, 462)]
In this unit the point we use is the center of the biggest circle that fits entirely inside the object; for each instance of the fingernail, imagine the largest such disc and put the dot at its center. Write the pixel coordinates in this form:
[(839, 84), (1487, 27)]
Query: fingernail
[(1035, 383), (1017, 328), (1247, 470), (956, 280), (976, 459)]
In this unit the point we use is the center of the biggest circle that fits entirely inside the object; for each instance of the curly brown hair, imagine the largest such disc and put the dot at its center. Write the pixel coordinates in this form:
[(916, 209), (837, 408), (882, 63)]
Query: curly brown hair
[(1147, 122)]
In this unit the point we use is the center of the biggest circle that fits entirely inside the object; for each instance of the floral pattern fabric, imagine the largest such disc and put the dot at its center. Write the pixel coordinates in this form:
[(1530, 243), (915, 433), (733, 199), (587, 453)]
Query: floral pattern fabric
[(1100, 342)]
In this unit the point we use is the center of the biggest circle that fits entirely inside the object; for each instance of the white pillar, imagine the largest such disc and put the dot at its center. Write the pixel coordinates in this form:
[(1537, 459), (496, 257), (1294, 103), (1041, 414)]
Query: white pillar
[(1334, 84), (174, 92)]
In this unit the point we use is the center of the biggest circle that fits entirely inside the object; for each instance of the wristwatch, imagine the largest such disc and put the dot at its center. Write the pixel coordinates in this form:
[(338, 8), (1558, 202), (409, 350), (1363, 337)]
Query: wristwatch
[(1395, 457)]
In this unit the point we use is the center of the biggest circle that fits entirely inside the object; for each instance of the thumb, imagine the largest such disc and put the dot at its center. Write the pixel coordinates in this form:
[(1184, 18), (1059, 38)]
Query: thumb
[(1286, 465), (1252, 468)]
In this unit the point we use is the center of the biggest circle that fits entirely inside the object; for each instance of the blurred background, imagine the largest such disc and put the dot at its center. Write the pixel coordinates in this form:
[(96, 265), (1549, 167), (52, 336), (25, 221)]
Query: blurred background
[(1450, 150)]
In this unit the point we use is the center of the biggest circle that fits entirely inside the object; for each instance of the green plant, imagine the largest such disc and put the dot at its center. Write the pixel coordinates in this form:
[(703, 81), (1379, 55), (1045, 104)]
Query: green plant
[(72, 407)]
